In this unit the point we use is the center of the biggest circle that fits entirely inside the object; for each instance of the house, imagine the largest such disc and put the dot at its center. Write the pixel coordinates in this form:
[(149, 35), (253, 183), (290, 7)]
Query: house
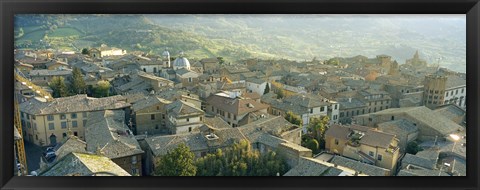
[(364, 144), (350, 107), (189, 79), (453, 112), (46, 123), (23, 67), (72, 144), (403, 129), (104, 51), (107, 134), (430, 124), (360, 167), (269, 133), (304, 106), (232, 107), (156, 83), (183, 117), (57, 65), (257, 85), (150, 116), (210, 65), (43, 77), (84, 164)]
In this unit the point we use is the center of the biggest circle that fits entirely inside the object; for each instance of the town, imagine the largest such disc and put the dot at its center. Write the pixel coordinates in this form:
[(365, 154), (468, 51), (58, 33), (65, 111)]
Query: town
[(107, 111)]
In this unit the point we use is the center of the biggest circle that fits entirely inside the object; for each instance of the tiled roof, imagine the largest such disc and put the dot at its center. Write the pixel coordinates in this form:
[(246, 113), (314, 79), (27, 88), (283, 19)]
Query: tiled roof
[(216, 122), (421, 172), (377, 138), (337, 131), (236, 106), (309, 167), (454, 81), (363, 168), (107, 130), (72, 104), (84, 165), (399, 127), (180, 108), (426, 116), (148, 101), (418, 161), (353, 103), (451, 111), (44, 72), (73, 144)]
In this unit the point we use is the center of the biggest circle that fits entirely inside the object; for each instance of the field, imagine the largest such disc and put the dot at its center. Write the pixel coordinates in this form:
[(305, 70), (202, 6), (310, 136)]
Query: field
[(64, 32)]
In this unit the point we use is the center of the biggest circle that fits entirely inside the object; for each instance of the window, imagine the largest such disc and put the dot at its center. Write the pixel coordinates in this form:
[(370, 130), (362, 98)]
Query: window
[(234, 117), (84, 123), (74, 115), (335, 106), (369, 110), (446, 95), (35, 126), (456, 92), (352, 112), (379, 157), (358, 112), (64, 135), (134, 159), (189, 79), (370, 153), (22, 115), (381, 108), (51, 126), (74, 124), (188, 119), (347, 113), (393, 117), (375, 109), (64, 125), (29, 125), (158, 107), (190, 129), (341, 114), (28, 116), (386, 107), (213, 109), (201, 118), (75, 133), (156, 126), (370, 119), (33, 117), (228, 115), (311, 110), (134, 171), (363, 111), (463, 90), (36, 137), (336, 141), (63, 116), (163, 116), (152, 116)]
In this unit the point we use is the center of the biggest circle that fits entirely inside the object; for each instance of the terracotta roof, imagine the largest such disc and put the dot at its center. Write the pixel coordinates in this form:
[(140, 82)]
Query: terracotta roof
[(236, 106)]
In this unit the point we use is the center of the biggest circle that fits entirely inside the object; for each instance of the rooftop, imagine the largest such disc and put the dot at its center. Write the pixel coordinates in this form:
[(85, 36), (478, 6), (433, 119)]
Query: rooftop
[(45, 72), (362, 168)]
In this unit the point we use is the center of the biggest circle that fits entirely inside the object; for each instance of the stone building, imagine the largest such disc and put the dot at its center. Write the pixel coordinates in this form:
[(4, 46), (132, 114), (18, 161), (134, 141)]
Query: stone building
[(149, 116)]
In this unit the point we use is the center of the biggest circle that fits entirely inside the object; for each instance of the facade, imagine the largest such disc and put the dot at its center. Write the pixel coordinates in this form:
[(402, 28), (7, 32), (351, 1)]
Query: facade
[(257, 85), (350, 107), (232, 108), (441, 90), (150, 116), (183, 117), (46, 123), (364, 144), (43, 77), (187, 78)]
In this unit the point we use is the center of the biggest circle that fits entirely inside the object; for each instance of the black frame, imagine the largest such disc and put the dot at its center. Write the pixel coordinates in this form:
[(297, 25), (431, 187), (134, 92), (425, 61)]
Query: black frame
[(10, 7)]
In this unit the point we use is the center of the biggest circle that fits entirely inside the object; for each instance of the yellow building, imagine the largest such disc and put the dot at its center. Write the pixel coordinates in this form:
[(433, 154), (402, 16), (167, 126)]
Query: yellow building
[(364, 144), (46, 123)]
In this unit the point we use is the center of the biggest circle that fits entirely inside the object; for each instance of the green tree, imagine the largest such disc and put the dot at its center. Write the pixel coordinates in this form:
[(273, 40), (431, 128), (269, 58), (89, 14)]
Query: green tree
[(333, 61), (267, 89), (178, 162), (102, 89), (85, 51), (57, 84), (318, 126), (221, 60), (280, 93), (294, 119), (413, 148), (78, 85), (313, 145)]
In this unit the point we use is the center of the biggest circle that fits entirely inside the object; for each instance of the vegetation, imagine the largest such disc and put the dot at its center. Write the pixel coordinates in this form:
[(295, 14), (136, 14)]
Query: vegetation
[(413, 148), (178, 162), (57, 84), (85, 51), (241, 160), (311, 144), (317, 127), (78, 85), (333, 61), (102, 89), (280, 93), (267, 89), (294, 119)]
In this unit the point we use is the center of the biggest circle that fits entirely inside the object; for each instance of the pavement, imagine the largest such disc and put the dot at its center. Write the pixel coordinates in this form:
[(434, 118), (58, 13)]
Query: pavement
[(33, 153)]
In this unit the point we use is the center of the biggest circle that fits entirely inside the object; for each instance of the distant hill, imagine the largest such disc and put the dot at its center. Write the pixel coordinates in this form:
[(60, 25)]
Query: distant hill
[(295, 37)]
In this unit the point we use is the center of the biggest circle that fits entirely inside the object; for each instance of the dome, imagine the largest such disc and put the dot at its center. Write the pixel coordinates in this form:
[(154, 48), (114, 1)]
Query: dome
[(166, 53), (181, 62)]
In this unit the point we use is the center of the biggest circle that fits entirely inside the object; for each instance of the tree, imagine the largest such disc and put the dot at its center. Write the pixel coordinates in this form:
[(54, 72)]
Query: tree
[(78, 85), (241, 160), (318, 126), (220, 60), (267, 89), (333, 61), (57, 84), (280, 93), (292, 118), (178, 162), (313, 145), (85, 51), (102, 89), (413, 148)]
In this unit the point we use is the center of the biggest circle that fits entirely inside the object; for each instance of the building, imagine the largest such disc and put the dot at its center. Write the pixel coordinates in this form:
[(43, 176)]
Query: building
[(150, 116), (314, 167), (83, 164), (441, 90), (257, 85), (43, 77), (187, 78), (233, 108), (350, 107), (107, 134), (46, 123), (104, 51), (430, 124), (181, 62), (360, 167), (364, 144), (183, 117), (57, 65), (403, 129), (416, 62)]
